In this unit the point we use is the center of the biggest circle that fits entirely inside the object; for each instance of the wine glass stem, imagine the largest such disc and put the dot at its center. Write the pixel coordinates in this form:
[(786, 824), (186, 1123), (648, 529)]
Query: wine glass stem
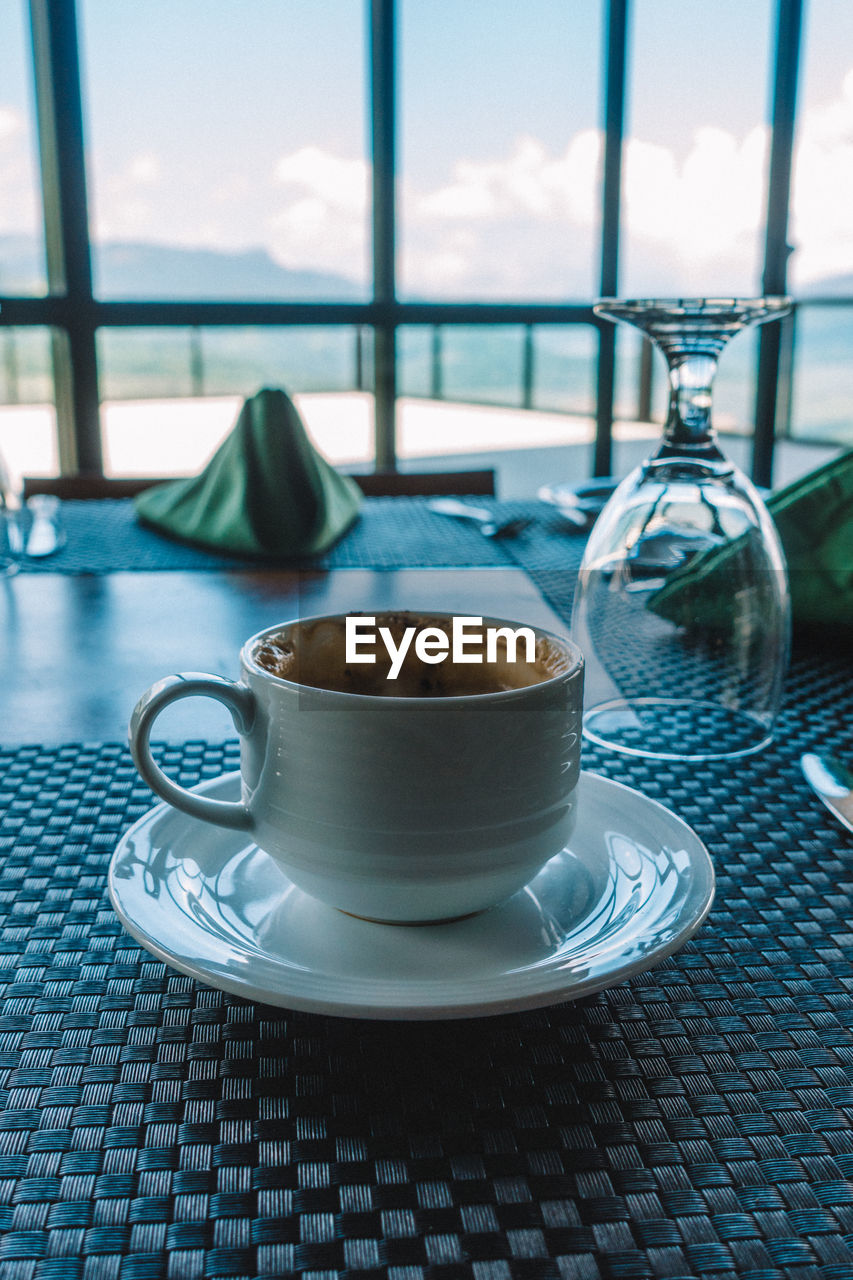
[(689, 419)]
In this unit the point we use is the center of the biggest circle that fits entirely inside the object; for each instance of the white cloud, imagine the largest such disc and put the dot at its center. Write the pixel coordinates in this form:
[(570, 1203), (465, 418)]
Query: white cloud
[(18, 190), (693, 223), (11, 123), (126, 203), (697, 221), (144, 170), (698, 215), (822, 222), (496, 189), (521, 223), (573, 178), (446, 262), (529, 183), (514, 227), (650, 189), (322, 222), (341, 184), (466, 198)]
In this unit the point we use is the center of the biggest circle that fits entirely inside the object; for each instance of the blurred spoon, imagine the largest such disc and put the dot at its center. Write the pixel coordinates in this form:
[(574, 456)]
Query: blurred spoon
[(481, 516), (579, 504)]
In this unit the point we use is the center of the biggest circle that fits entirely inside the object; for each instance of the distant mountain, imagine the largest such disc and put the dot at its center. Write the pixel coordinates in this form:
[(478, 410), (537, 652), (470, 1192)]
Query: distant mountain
[(138, 271), (143, 271)]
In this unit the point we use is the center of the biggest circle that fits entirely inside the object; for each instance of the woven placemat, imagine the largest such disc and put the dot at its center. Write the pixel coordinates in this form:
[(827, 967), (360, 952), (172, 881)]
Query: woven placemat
[(105, 537), (697, 1120)]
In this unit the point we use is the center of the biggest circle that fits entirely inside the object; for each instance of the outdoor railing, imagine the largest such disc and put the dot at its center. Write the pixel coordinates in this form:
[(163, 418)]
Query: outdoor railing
[(641, 400)]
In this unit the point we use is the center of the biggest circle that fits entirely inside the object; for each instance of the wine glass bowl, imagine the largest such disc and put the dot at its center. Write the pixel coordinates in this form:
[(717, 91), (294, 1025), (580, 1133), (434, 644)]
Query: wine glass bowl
[(682, 605)]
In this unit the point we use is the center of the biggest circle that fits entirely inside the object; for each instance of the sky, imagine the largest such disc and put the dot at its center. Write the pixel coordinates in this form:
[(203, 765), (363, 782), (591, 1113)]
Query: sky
[(241, 123)]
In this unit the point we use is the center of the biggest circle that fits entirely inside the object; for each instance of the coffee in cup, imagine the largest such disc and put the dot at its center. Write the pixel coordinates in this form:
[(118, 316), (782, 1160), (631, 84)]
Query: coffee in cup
[(387, 661)]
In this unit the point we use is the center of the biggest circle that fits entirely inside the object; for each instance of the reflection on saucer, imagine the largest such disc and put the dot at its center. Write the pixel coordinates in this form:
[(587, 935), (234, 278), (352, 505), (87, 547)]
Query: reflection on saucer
[(633, 886)]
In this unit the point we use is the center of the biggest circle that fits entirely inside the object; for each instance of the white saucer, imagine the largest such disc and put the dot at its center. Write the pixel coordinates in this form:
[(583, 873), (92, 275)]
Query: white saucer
[(633, 886)]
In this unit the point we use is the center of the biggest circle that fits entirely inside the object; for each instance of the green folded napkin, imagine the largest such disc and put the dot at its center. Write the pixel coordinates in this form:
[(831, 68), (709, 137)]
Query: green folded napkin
[(265, 492), (814, 518)]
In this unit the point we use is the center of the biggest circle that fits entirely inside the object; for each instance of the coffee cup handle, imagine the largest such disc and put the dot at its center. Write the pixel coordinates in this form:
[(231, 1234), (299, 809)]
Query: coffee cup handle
[(239, 700)]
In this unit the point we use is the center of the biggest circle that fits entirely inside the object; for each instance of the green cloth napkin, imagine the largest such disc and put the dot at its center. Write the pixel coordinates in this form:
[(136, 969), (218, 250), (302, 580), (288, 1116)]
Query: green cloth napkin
[(265, 492), (814, 518)]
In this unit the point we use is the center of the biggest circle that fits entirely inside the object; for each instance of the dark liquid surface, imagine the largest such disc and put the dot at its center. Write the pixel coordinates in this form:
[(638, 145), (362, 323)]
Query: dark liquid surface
[(314, 653)]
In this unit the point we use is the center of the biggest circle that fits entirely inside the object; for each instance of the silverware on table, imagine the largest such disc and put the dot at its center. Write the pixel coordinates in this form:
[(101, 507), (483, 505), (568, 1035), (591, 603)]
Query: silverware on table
[(579, 504), (832, 782), (485, 520), (46, 533)]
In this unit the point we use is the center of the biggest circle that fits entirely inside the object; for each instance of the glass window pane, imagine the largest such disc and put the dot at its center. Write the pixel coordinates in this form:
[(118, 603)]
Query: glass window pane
[(564, 368), (486, 365), (144, 364), (22, 261), (823, 374), (470, 391), (499, 148), (141, 364), (628, 400), (822, 191), (694, 169), (299, 359), (171, 395), (734, 384), (27, 413), (483, 364), (821, 226), (227, 148), (419, 365)]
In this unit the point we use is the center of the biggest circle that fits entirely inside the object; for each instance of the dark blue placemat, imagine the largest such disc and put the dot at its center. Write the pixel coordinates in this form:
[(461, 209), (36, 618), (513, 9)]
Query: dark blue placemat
[(695, 1121), (105, 536)]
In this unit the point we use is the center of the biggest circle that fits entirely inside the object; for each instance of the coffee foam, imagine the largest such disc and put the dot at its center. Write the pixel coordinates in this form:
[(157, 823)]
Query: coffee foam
[(314, 653)]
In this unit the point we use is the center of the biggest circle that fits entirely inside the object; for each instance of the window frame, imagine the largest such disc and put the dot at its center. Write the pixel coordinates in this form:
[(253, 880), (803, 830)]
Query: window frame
[(74, 314)]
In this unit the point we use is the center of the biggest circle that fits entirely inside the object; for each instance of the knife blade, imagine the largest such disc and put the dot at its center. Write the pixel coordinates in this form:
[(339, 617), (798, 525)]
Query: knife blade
[(832, 782)]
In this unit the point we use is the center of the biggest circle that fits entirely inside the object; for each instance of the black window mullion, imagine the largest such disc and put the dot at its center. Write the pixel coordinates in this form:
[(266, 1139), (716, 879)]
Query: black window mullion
[(383, 108), (615, 63), (63, 178), (789, 17)]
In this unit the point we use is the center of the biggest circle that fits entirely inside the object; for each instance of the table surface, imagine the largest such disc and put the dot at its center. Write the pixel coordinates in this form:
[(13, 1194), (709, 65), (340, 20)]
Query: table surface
[(696, 1120), (82, 648)]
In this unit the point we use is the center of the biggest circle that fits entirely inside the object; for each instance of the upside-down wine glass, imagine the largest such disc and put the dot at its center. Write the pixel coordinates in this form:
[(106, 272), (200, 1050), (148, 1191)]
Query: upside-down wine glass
[(682, 606)]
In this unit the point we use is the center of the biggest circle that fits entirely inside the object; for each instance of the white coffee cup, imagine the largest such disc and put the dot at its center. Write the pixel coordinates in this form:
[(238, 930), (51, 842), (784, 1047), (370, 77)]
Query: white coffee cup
[(401, 809)]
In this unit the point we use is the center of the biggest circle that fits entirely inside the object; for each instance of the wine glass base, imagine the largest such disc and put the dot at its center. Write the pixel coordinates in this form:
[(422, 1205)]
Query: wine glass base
[(675, 729)]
